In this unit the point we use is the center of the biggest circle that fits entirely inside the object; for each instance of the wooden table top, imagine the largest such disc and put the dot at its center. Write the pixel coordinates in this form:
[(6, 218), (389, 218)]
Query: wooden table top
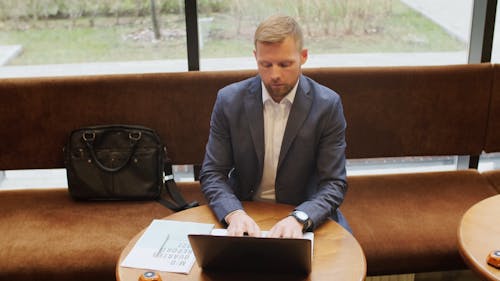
[(479, 234), (337, 254)]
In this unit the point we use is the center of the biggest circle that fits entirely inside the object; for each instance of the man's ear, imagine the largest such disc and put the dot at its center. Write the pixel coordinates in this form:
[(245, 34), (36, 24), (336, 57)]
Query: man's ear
[(303, 56)]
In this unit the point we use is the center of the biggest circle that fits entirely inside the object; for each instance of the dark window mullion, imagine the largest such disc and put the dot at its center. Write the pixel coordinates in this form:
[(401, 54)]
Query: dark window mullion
[(489, 30), (191, 14)]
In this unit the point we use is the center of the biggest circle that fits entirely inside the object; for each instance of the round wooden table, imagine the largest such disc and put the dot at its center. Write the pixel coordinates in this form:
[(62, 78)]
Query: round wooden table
[(479, 234), (337, 254)]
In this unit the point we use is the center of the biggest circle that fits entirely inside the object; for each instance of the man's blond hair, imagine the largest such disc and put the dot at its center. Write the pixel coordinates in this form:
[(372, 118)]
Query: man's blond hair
[(276, 28)]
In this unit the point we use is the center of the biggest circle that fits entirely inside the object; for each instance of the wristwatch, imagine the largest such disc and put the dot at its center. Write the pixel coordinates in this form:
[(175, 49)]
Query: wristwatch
[(302, 218)]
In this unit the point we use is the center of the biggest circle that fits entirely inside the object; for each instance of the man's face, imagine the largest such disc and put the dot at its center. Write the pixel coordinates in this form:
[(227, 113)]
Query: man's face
[(279, 65)]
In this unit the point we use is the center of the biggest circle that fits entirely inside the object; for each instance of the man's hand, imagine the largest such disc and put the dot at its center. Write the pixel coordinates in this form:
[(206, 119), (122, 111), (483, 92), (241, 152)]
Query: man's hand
[(288, 227), (240, 223)]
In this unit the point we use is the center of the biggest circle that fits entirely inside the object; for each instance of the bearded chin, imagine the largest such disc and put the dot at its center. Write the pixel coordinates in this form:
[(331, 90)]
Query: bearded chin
[(278, 92)]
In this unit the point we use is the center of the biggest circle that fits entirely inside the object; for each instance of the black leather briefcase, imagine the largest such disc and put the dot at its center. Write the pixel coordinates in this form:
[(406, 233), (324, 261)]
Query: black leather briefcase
[(120, 162)]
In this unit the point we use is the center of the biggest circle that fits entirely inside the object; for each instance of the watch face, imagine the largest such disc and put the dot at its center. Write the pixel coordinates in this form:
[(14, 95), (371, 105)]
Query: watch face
[(301, 215)]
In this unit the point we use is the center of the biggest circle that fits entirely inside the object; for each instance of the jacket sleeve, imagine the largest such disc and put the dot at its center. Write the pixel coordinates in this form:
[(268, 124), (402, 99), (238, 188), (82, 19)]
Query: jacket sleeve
[(218, 163), (330, 165)]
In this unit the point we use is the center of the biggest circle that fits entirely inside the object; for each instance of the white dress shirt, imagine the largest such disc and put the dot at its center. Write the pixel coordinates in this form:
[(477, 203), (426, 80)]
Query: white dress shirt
[(275, 119)]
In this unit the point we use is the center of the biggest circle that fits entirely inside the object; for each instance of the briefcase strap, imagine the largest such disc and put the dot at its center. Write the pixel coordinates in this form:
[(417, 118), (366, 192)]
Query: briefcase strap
[(179, 203), (171, 190)]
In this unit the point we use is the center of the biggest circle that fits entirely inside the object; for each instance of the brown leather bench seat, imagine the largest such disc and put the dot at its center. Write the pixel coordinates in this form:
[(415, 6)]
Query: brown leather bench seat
[(45, 235), (405, 222), (408, 222)]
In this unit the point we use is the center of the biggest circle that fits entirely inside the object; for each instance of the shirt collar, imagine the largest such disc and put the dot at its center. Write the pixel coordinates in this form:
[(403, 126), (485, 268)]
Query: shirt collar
[(290, 97)]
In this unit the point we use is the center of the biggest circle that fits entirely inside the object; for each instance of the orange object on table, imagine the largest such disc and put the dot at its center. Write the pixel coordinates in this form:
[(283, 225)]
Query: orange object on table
[(494, 259)]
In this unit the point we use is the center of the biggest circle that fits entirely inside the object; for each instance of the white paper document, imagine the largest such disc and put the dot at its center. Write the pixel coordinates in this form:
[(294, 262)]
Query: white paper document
[(164, 246)]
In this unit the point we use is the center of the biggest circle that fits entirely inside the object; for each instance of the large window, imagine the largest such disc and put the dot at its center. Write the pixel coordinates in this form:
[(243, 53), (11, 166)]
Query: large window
[(74, 37)]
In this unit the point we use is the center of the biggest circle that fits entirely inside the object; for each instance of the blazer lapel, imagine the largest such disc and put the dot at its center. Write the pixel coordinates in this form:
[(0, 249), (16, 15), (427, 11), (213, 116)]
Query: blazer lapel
[(298, 114), (254, 112)]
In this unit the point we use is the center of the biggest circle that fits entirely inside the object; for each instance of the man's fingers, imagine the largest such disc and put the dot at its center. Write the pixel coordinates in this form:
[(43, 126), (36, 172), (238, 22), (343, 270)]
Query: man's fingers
[(253, 229), (286, 228), (241, 223)]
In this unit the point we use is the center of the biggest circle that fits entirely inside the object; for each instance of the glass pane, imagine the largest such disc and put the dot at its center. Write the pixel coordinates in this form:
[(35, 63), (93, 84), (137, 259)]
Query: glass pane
[(75, 36), (37, 178), (489, 161), (342, 32), (398, 165), (53, 178)]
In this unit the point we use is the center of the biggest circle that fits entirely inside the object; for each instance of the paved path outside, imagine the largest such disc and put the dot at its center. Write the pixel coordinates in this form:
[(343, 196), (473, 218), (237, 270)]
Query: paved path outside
[(8, 52), (454, 16)]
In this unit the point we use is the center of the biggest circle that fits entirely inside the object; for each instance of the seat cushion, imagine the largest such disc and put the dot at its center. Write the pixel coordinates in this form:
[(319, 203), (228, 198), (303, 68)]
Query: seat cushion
[(48, 236), (408, 222)]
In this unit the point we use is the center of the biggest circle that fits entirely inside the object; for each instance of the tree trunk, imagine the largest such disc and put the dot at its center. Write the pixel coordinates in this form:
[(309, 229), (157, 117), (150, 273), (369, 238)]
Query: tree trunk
[(156, 27)]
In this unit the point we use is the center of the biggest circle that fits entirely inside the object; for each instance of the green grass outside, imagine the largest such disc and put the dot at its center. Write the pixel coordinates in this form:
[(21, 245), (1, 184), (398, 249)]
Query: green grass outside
[(61, 43)]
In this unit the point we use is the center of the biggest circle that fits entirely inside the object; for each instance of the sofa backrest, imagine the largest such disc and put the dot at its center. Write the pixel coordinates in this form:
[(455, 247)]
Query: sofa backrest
[(391, 111), (413, 111)]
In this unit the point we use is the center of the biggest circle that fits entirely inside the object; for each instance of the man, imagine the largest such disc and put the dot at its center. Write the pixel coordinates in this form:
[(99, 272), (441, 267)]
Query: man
[(277, 137)]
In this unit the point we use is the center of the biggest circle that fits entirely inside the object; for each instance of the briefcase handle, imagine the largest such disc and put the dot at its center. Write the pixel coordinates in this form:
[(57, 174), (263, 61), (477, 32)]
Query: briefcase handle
[(89, 137)]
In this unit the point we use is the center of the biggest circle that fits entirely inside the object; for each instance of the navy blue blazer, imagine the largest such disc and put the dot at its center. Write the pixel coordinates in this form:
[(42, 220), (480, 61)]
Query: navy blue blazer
[(311, 168)]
